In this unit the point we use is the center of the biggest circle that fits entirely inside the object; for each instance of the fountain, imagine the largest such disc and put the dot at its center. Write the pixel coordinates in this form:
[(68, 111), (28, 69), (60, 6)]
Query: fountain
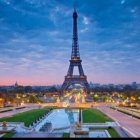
[(79, 130), (83, 132)]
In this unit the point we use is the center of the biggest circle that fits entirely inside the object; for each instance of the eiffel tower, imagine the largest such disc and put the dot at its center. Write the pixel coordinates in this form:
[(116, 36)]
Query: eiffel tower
[(75, 61)]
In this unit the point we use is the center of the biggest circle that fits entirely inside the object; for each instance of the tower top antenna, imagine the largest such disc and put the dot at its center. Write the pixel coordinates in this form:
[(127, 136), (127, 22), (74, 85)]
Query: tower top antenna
[(74, 7), (75, 13)]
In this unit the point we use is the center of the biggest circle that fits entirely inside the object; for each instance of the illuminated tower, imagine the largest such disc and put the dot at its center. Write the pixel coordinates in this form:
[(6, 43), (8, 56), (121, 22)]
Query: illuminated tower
[(75, 61)]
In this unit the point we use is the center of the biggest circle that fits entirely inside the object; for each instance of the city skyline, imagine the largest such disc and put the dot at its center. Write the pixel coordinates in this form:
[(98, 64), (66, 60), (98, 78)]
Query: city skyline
[(90, 82), (35, 47)]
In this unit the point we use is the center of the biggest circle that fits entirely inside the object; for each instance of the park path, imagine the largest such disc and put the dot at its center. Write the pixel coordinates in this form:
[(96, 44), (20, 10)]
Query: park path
[(128, 123), (10, 113), (121, 132)]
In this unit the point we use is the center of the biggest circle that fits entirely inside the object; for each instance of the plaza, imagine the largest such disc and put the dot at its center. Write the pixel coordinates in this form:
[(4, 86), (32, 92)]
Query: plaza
[(70, 117)]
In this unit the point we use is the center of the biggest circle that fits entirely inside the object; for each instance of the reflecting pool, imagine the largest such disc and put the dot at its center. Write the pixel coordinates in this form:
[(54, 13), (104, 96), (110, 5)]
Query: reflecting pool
[(60, 118), (94, 134)]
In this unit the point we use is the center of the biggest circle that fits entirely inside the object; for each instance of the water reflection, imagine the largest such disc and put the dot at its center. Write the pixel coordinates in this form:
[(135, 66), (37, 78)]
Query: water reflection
[(60, 118)]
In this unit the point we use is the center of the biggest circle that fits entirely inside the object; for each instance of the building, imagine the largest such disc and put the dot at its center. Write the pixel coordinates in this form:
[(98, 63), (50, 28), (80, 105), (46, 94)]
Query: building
[(134, 85)]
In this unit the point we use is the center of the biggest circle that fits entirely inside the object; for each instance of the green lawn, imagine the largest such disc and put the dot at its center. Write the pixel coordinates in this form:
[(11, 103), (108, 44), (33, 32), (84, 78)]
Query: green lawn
[(9, 135), (111, 131), (66, 135), (27, 117), (94, 116)]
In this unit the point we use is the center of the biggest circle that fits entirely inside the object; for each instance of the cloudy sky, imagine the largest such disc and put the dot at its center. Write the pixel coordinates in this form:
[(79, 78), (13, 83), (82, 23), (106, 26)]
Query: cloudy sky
[(36, 40)]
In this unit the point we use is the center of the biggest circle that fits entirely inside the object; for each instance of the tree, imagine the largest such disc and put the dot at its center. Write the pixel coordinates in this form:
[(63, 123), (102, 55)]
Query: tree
[(127, 88), (95, 97), (19, 89), (27, 89), (34, 99), (53, 89)]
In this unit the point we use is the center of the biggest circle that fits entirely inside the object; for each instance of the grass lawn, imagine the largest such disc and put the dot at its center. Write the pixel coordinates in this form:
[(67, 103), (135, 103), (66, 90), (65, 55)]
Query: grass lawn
[(66, 135), (27, 117), (9, 135), (94, 116), (111, 131)]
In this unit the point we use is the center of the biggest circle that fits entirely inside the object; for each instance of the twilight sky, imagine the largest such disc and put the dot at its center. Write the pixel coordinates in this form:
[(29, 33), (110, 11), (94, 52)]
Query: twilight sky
[(36, 40)]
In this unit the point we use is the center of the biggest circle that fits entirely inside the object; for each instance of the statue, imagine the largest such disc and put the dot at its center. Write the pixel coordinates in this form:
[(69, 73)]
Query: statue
[(78, 125), (79, 130), (4, 125)]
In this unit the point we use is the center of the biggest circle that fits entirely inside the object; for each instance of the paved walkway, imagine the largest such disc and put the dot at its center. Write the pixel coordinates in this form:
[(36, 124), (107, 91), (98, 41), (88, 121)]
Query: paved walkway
[(128, 123), (38, 135), (10, 113), (121, 132)]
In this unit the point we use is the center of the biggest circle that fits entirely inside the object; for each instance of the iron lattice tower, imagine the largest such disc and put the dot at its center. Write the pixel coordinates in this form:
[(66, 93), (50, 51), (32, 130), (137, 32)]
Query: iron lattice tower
[(75, 60)]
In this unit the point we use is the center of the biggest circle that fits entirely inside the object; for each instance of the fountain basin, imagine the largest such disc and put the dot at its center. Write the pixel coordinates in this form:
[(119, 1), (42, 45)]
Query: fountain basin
[(94, 134), (81, 131)]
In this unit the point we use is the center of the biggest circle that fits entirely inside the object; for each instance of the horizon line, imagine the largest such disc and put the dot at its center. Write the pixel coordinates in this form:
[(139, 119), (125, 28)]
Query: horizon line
[(61, 84)]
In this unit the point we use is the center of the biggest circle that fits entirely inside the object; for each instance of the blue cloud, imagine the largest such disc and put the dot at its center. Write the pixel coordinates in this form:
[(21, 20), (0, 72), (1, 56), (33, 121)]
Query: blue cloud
[(36, 38)]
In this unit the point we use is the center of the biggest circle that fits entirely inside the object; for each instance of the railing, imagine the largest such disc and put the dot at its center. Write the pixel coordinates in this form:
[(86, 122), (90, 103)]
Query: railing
[(76, 76), (132, 109), (127, 111), (11, 108), (62, 128)]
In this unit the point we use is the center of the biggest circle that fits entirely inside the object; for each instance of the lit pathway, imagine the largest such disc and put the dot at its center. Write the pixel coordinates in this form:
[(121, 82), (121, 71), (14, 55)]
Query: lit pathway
[(121, 132), (10, 113), (131, 125)]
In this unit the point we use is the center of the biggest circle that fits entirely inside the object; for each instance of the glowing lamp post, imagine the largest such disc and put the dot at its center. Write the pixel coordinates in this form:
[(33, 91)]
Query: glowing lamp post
[(1, 102)]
